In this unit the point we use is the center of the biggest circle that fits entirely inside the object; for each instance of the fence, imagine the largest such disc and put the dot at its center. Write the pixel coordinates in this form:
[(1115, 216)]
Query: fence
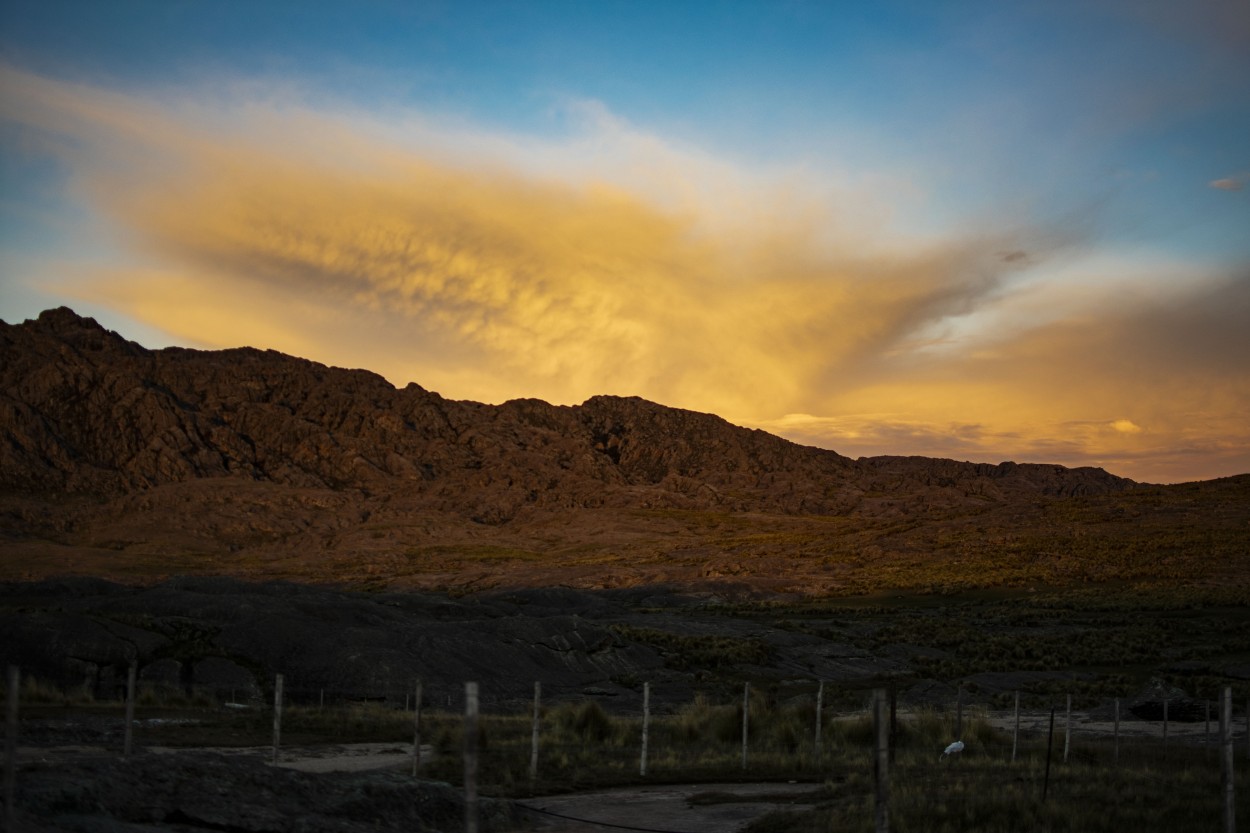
[(754, 735)]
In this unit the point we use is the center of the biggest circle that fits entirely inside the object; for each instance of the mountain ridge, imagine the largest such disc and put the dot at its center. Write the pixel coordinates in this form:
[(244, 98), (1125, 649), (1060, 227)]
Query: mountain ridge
[(182, 414), (138, 464)]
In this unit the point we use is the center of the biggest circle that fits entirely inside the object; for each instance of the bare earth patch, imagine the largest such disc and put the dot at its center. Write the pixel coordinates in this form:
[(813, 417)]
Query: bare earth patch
[(341, 757), (1083, 723), (665, 807)]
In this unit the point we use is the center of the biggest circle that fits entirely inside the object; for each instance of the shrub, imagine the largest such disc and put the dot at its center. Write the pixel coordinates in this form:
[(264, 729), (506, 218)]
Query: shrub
[(587, 721)]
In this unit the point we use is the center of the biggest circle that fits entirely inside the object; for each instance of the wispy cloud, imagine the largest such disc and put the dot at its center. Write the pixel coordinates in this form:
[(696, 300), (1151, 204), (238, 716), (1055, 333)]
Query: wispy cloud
[(609, 260), (1230, 183)]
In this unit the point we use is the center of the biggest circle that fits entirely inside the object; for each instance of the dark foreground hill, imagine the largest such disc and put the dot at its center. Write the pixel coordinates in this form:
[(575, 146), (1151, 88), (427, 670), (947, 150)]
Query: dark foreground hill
[(137, 464), (225, 640)]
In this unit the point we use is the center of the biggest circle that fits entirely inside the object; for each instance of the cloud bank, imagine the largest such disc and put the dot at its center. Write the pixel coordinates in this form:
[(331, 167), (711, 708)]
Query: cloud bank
[(608, 260)]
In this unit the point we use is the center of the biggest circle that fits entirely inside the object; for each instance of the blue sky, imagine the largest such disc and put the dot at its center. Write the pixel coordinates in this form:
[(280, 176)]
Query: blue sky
[(975, 230)]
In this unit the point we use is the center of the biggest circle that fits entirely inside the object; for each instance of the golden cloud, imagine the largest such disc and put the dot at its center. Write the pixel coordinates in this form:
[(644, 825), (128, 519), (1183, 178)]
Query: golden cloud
[(561, 290), (1036, 393), (334, 238)]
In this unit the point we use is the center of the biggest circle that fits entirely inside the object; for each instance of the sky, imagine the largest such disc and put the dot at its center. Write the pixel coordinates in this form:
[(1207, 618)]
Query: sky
[(978, 230)]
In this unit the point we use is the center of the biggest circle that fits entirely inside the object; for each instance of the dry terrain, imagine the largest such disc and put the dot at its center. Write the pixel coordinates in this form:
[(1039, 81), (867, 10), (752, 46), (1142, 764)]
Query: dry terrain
[(215, 519)]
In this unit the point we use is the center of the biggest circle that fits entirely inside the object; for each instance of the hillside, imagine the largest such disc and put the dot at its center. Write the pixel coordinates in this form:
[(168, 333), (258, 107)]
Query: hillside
[(138, 464)]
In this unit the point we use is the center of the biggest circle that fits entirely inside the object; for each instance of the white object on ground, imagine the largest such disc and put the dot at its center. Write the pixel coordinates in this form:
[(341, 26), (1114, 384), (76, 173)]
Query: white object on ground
[(957, 746)]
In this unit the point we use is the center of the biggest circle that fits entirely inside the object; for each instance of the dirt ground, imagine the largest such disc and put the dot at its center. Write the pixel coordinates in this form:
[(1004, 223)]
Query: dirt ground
[(346, 757), (665, 808), (654, 807), (1131, 728)]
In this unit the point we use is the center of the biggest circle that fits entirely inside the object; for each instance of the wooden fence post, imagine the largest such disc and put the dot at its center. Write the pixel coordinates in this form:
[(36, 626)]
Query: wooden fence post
[(1226, 769), (470, 758), (128, 736), (416, 729), (893, 721), (1206, 726), (882, 760), (1050, 745), (1165, 722), (277, 716), (959, 713), (538, 693), (1067, 731), (10, 750), (1015, 733), (746, 715), (646, 726), (820, 701), (1117, 731)]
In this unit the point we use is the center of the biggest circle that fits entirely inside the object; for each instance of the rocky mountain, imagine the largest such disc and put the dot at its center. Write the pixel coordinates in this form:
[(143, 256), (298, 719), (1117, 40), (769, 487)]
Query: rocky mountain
[(85, 411), (128, 461)]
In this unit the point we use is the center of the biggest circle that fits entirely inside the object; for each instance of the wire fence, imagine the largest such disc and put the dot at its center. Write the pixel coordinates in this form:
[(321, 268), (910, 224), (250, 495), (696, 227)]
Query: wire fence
[(525, 746)]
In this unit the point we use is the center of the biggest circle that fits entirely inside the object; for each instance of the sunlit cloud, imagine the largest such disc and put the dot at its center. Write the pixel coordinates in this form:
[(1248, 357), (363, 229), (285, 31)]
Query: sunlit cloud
[(489, 267), (564, 290), (1231, 183)]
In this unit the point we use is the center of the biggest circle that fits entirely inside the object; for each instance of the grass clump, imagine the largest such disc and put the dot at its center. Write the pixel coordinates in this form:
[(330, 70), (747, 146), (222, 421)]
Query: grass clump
[(585, 721), (32, 690), (172, 697), (989, 795)]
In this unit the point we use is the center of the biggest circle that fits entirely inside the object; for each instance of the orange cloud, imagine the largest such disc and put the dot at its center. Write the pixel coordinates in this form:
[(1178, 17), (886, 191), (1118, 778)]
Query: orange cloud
[(560, 290), (450, 261), (1230, 183), (1051, 392)]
